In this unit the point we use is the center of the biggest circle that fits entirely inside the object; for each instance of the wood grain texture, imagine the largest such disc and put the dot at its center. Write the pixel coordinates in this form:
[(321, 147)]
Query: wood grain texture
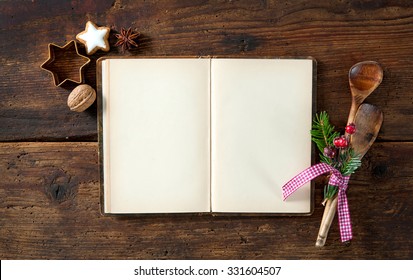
[(49, 208), (49, 192), (337, 33)]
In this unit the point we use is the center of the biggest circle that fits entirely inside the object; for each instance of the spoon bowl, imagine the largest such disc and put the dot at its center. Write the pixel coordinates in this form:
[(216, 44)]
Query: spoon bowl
[(364, 77), (369, 119)]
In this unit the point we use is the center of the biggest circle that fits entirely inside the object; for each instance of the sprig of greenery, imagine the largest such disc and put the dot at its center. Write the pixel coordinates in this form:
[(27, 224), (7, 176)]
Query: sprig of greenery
[(329, 192), (345, 159), (350, 161), (323, 134)]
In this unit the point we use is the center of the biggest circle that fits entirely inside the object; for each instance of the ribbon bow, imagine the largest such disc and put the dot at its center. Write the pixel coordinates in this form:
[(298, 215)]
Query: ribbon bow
[(336, 179)]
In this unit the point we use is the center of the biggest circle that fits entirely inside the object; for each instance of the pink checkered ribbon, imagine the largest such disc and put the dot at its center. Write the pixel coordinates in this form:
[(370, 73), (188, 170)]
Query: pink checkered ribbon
[(336, 179)]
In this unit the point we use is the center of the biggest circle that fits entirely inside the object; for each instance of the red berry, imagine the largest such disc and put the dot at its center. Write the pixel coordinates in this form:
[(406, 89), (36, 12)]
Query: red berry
[(351, 128), (337, 142), (340, 142), (344, 142)]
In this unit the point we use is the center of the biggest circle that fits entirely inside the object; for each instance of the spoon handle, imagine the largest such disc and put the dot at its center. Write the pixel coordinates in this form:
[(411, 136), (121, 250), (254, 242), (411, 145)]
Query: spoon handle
[(328, 216), (353, 111)]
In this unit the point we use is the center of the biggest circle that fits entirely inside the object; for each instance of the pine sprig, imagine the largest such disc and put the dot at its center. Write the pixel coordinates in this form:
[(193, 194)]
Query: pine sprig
[(334, 149), (329, 192), (350, 162), (322, 132), (326, 159)]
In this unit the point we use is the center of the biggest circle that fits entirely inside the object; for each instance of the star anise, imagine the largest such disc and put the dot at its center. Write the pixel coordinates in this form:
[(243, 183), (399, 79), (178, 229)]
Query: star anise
[(126, 39)]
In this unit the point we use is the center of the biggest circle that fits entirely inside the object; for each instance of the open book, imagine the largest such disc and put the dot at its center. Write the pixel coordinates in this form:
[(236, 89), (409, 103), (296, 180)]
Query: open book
[(181, 135)]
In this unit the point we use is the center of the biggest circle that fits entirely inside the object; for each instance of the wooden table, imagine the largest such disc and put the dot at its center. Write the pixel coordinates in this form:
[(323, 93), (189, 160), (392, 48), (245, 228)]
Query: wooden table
[(49, 188)]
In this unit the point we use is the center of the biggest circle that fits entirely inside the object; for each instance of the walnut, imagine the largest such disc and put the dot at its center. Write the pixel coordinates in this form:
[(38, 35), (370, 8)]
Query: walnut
[(81, 98)]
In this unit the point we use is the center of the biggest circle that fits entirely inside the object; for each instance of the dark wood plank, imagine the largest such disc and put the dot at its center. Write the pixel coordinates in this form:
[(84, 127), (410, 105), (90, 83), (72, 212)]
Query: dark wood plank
[(49, 208), (337, 33)]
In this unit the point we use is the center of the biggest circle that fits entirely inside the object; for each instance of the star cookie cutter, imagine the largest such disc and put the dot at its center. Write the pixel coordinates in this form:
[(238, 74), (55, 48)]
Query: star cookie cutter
[(65, 63)]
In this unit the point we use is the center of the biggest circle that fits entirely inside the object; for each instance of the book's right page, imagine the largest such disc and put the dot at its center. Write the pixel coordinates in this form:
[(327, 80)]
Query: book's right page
[(261, 114)]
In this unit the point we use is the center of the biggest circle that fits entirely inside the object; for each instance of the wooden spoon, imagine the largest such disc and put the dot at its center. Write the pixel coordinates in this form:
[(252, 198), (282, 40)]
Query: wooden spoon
[(364, 77), (368, 121)]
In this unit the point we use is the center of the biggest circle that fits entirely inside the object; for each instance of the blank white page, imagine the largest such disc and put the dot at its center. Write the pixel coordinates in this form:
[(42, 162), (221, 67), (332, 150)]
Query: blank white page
[(261, 121), (156, 135)]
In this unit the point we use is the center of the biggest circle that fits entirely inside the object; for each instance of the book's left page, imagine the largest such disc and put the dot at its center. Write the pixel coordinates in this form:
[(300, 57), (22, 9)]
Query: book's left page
[(155, 118)]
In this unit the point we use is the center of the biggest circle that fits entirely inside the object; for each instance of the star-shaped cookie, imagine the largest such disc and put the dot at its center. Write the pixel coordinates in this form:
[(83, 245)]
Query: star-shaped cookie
[(94, 38)]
